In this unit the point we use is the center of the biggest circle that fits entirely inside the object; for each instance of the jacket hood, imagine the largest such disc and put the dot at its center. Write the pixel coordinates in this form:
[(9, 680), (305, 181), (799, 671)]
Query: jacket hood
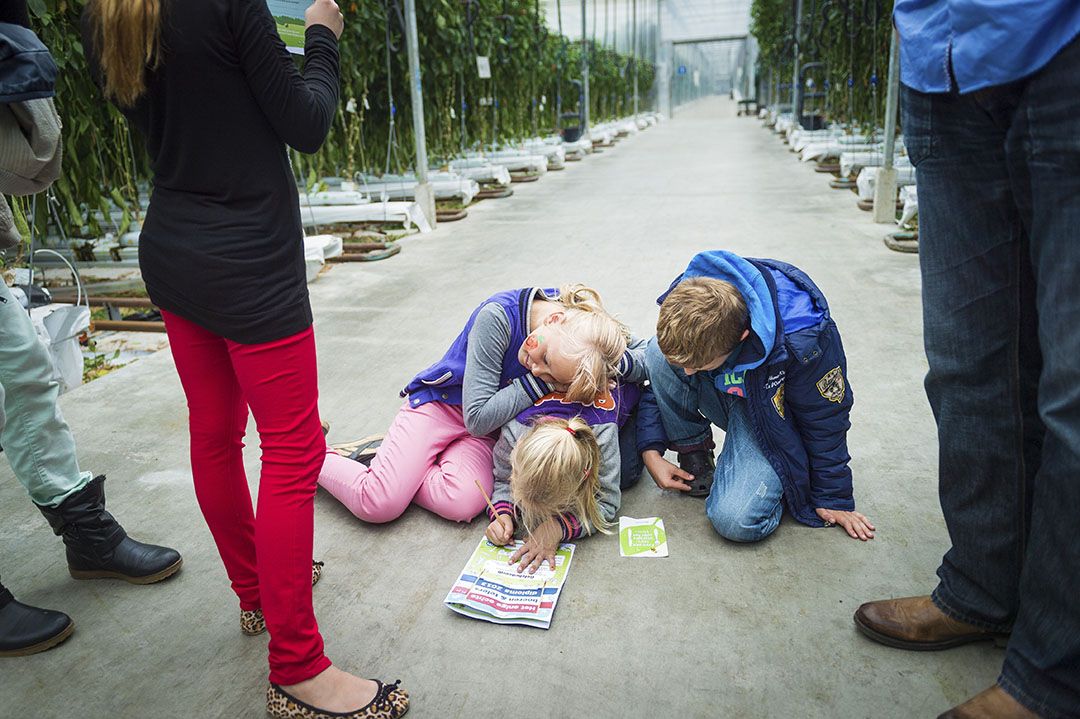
[(752, 285), (27, 70)]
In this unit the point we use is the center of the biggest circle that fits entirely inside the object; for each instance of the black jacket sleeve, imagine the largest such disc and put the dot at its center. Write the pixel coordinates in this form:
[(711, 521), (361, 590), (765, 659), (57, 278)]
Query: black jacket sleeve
[(300, 107)]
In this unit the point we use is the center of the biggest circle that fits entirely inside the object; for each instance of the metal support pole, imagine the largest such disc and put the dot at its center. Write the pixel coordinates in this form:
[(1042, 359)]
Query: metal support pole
[(665, 53), (584, 72), (796, 91), (892, 98), (424, 194), (634, 55), (885, 188)]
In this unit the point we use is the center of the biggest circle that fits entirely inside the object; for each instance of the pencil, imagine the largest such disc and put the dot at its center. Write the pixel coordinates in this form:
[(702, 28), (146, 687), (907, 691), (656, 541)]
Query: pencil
[(486, 497)]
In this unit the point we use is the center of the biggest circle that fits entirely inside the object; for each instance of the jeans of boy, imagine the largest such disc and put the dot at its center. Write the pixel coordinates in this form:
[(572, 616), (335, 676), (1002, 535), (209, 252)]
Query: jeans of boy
[(998, 173), (744, 504), (33, 433)]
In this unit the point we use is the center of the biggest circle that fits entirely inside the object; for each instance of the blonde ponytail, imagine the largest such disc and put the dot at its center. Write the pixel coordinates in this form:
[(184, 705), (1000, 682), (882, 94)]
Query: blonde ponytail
[(127, 39), (595, 340), (555, 469), (580, 297)]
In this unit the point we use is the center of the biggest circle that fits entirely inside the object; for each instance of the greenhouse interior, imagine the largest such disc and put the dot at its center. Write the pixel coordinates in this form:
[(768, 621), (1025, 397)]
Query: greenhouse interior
[(401, 332)]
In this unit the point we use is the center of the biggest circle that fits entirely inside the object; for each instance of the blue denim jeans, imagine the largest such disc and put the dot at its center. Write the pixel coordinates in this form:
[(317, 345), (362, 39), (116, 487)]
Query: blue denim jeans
[(998, 173), (744, 504)]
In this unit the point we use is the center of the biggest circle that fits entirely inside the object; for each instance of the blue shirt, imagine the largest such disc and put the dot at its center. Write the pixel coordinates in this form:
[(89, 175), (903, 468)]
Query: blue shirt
[(992, 42)]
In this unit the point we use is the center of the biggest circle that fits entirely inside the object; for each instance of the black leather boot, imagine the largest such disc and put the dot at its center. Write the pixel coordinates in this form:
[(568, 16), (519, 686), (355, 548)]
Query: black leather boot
[(702, 465), (98, 547), (29, 630)]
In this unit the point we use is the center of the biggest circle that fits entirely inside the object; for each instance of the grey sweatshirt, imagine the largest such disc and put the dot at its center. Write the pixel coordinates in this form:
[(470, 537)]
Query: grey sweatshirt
[(609, 498), (604, 416), (485, 405)]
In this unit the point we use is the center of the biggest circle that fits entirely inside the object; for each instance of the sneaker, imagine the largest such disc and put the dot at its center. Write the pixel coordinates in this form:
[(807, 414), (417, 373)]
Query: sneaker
[(362, 450), (702, 465)]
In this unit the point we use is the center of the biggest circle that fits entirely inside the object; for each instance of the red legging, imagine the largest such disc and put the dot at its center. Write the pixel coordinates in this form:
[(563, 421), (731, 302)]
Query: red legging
[(266, 553)]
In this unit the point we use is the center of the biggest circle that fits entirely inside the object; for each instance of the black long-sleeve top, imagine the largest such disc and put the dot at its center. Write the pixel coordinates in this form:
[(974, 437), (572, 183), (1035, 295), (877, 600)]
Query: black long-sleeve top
[(222, 243)]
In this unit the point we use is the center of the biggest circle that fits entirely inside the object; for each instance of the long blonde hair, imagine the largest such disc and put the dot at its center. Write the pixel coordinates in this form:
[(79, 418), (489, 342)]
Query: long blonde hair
[(555, 469), (594, 340), (127, 38)]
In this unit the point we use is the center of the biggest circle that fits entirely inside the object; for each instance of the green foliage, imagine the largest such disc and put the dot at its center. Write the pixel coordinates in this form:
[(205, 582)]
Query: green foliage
[(105, 166), (530, 68), (851, 37), (98, 364), (102, 166)]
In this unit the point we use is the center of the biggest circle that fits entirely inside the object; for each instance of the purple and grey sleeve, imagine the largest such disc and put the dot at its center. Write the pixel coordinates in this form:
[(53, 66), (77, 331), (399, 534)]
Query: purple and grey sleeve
[(485, 404)]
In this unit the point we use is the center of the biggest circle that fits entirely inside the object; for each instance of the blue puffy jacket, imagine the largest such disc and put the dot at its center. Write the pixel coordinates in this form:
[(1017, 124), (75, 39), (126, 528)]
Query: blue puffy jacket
[(27, 70), (792, 372)]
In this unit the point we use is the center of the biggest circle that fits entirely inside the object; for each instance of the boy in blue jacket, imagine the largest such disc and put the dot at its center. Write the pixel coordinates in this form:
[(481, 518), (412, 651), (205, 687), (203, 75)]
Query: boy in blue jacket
[(749, 345)]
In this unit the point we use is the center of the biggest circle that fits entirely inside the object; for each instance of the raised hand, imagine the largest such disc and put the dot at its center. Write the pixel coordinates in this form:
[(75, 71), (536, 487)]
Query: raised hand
[(325, 12)]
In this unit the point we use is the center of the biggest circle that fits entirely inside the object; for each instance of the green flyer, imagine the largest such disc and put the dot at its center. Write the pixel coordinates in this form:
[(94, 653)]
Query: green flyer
[(642, 537)]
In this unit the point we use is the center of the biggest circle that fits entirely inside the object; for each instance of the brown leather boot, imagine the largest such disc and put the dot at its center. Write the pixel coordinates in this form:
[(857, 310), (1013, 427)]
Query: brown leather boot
[(916, 623), (994, 703)]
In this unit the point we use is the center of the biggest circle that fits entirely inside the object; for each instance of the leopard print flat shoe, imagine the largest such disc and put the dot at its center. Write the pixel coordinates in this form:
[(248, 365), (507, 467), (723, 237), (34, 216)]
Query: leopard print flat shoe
[(390, 702), (252, 621)]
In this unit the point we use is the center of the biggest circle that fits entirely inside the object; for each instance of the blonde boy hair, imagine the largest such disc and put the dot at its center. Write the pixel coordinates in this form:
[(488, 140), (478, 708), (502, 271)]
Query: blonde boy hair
[(701, 320), (555, 469), (594, 340)]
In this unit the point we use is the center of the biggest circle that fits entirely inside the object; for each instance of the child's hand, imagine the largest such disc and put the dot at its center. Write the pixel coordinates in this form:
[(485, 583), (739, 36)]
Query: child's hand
[(664, 473), (539, 547), (501, 531), (855, 524)]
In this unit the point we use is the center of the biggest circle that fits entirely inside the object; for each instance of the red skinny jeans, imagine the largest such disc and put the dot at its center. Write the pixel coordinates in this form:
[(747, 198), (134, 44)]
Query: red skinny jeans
[(267, 553)]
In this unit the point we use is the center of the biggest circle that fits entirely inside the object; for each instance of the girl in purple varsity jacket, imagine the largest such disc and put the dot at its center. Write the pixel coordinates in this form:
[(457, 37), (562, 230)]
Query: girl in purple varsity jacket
[(517, 347)]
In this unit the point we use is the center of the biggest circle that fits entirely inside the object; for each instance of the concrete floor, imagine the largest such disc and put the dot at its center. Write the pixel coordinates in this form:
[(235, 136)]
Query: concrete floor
[(716, 630)]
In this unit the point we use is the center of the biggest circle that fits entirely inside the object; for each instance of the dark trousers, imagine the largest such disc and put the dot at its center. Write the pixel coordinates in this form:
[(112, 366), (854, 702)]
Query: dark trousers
[(631, 464), (998, 173)]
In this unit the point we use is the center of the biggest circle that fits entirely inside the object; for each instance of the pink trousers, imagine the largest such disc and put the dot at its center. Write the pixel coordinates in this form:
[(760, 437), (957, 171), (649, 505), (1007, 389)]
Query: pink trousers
[(427, 457)]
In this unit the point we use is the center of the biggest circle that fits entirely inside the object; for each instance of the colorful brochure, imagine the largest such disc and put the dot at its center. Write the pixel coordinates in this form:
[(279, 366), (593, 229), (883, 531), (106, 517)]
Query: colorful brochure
[(491, 589), (291, 25), (642, 537)]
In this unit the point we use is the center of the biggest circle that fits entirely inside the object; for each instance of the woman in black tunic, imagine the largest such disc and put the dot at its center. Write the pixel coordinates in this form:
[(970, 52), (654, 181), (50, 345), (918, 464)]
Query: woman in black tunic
[(217, 97)]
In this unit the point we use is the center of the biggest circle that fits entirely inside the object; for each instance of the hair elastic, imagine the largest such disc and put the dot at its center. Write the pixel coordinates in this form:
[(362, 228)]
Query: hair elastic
[(571, 430)]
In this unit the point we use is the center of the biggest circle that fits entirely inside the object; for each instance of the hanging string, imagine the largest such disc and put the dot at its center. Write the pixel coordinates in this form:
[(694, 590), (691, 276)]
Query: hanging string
[(874, 82), (592, 54), (391, 140), (470, 58), (851, 65), (560, 64), (538, 39)]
